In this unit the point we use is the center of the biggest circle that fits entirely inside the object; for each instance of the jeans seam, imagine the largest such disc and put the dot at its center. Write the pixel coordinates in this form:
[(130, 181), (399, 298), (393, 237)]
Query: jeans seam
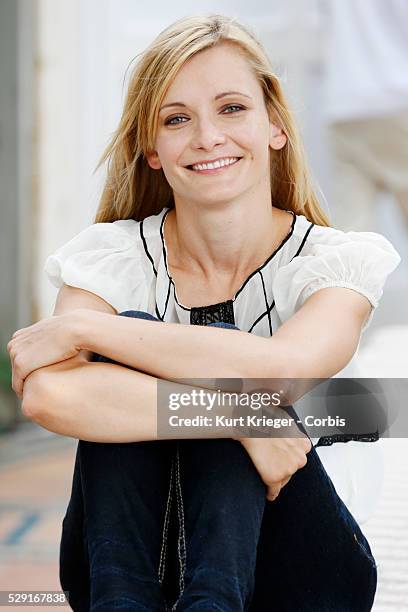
[(364, 550), (181, 545), (163, 551)]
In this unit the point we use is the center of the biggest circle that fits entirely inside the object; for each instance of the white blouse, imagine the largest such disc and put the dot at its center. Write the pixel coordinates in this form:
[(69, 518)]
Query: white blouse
[(125, 263)]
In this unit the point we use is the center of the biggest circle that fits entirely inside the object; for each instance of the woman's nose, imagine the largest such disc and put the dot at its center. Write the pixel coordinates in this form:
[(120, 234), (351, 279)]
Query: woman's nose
[(207, 134)]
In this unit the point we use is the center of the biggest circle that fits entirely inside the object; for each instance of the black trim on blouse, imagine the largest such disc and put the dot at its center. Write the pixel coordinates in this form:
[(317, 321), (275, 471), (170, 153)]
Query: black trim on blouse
[(150, 258), (271, 307), (359, 437), (161, 317), (278, 248), (302, 244), (261, 316), (158, 313), (165, 261), (146, 249), (266, 303)]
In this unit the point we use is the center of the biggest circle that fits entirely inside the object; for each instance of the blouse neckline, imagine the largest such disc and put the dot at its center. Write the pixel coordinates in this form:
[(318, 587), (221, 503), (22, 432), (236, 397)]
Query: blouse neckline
[(258, 269)]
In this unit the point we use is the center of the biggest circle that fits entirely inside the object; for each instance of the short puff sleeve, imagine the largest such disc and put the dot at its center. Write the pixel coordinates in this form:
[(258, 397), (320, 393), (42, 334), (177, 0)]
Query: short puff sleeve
[(355, 260), (104, 259)]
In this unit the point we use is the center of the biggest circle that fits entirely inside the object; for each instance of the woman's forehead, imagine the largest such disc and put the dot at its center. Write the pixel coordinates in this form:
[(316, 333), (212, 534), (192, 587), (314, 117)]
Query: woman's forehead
[(214, 71)]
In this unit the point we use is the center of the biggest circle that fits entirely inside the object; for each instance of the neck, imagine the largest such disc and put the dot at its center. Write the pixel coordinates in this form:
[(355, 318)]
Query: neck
[(228, 241)]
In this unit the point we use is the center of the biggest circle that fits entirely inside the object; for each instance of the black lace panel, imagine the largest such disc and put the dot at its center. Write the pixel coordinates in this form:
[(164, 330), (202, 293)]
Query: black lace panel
[(215, 313)]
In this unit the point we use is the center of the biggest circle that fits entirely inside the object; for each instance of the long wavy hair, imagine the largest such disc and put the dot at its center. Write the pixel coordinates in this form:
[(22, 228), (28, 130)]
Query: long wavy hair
[(132, 189)]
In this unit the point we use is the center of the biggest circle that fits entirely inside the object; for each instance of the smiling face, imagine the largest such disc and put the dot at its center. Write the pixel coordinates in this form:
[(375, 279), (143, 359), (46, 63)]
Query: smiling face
[(214, 111)]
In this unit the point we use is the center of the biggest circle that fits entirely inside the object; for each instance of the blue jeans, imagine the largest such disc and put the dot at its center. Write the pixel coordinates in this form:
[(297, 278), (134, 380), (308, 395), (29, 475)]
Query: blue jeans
[(185, 525)]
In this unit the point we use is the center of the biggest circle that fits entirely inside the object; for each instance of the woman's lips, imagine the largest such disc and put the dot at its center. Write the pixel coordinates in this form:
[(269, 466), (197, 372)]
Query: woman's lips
[(215, 170)]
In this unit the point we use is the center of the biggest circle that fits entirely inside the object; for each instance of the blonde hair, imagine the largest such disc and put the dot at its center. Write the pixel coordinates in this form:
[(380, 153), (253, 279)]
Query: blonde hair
[(133, 190)]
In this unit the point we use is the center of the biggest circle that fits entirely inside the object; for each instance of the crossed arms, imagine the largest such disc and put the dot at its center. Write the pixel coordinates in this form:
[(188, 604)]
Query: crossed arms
[(105, 402)]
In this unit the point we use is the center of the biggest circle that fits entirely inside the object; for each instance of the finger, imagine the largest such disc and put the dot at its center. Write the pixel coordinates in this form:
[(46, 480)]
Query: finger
[(18, 380), (16, 384), (10, 346), (273, 492), (307, 445), (11, 355), (18, 332), (13, 347), (19, 388)]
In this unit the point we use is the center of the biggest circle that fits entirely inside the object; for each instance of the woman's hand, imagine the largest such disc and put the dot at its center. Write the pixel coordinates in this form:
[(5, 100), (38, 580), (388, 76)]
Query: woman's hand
[(277, 459), (49, 341)]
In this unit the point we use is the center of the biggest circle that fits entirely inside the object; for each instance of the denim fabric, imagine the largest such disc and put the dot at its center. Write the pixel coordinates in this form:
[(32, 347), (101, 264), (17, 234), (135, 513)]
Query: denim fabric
[(185, 525)]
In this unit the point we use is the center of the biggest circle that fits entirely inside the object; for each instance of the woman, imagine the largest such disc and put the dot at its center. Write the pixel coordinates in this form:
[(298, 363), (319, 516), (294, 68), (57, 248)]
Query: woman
[(207, 221)]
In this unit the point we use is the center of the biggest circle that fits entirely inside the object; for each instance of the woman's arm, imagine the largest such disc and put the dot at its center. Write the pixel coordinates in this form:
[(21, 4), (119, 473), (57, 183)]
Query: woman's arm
[(102, 402), (318, 341), (96, 401), (175, 351), (324, 334)]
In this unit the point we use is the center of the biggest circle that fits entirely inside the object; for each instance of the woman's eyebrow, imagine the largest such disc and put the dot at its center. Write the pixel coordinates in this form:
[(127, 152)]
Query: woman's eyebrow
[(217, 97)]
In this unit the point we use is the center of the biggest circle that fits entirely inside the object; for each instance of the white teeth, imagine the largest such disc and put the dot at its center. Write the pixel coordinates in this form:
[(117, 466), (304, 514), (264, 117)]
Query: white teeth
[(217, 164)]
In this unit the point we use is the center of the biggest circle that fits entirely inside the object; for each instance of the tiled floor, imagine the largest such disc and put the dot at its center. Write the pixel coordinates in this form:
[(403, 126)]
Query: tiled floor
[(35, 480)]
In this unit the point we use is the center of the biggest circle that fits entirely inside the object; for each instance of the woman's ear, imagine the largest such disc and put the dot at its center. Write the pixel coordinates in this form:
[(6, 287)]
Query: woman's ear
[(277, 137), (153, 160)]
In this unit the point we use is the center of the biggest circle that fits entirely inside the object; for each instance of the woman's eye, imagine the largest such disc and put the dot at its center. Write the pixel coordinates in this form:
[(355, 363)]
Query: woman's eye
[(237, 106), (174, 120), (170, 121)]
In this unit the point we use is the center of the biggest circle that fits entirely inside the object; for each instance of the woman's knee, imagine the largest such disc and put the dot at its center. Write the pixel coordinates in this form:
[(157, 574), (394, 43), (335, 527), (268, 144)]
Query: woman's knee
[(138, 314), (223, 324)]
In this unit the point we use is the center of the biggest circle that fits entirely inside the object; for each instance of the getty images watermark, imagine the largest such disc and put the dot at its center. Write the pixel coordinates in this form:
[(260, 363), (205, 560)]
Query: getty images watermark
[(224, 407), (339, 409)]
